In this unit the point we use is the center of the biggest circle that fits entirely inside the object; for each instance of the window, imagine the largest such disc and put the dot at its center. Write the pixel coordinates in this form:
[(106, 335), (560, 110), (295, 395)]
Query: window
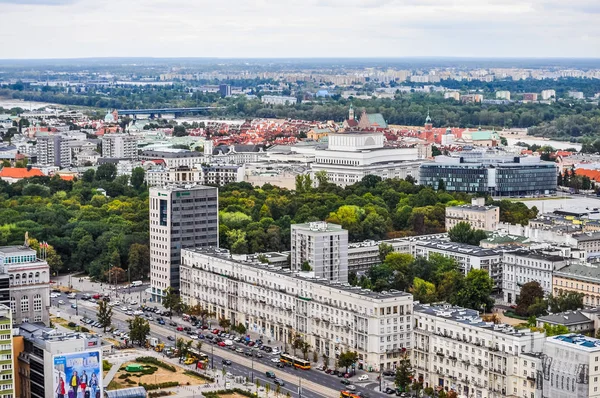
[(25, 304), (37, 302), (13, 305)]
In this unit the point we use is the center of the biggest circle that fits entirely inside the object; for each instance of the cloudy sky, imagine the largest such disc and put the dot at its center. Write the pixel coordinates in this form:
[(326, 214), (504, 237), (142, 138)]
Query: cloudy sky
[(299, 28)]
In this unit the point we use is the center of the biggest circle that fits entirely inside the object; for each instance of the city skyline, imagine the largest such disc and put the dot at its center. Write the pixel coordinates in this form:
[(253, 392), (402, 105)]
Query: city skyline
[(323, 28)]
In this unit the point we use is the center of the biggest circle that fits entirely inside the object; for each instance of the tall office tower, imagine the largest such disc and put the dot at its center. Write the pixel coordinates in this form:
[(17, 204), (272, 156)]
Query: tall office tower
[(29, 283), (181, 216), (322, 248), (122, 146)]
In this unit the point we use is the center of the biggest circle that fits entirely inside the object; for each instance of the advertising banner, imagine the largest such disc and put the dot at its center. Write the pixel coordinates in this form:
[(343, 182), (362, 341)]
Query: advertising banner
[(77, 375)]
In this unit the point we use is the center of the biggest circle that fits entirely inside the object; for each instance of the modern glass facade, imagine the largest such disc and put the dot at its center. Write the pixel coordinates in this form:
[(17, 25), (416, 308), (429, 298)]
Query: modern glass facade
[(501, 178)]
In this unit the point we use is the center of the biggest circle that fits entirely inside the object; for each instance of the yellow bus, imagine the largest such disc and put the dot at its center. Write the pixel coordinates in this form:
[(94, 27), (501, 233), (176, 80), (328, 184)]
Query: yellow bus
[(297, 362), (348, 394)]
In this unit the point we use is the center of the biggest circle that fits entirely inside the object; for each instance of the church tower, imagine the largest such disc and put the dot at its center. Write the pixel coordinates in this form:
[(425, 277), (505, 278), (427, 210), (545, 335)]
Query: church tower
[(351, 113), (428, 124)]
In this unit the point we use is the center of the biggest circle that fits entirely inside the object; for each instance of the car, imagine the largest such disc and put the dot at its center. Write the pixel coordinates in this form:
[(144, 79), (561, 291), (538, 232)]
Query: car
[(215, 331), (248, 353), (172, 323), (228, 342), (275, 360), (221, 344), (161, 321), (71, 295), (363, 377), (138, 312), (346, 375), (279, 382), (280, 365), (237, 339), (345, 382), (229, 375), (270, 375), (187, 328), (149, 316), (106, 298), (259, 355), (203, 327), (180, 328), (133, 302), (389, 390), (239, 350), (57, 291), (350, 387), (194, 336), (117, 302), (130, 313), (97, 296), (171, 338), (275, 351), (402, 394), (340, 374), (226, 362), (251, 344), (74, 305), (389, 373), (329, 371), (200, 336)]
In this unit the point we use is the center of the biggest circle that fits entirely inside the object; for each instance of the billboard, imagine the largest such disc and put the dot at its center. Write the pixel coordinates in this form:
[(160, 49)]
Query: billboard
[(77, 375)]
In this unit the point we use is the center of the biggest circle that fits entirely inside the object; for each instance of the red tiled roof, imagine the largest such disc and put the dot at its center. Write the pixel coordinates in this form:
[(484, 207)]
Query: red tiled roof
[(14, 172), (67, 177)]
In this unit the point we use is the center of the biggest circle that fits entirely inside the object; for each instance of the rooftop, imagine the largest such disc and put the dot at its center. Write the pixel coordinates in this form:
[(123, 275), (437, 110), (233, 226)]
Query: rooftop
[(474, 207), (365, 293), (587, 236), (565, 318), (16, 250), (172, 153), (580, 271), (461, 248), (318, 226), (15, 172), (582, 342), (182, 187), (538, 255), (468, 317)]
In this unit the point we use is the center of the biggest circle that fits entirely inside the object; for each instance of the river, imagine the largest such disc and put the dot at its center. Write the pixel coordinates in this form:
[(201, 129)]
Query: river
[(8, 103), (542, 142)]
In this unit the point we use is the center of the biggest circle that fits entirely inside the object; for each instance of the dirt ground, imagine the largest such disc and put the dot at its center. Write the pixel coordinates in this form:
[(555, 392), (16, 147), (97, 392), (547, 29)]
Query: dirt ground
[(234, 395), (160, 376)]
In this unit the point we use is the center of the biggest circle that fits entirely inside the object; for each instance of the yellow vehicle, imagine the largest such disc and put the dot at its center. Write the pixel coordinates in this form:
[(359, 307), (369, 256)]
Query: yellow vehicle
[(159, 347), (190, 360), (296, 362)]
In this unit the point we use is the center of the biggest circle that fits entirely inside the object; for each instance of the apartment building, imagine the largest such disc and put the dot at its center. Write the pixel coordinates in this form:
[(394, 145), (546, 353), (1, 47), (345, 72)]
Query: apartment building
[(53, 150), (523, 266), (530, 97), (588, 241), (322, 248), (7, 372), (580, 278), (571, 366), (173, 158), (218, 175), (548, 95), (454, 349), (468, 257), (278, 100), (29, 283), (120, 146), (332, 317), (180, 217), (477, 215), (503, 95)]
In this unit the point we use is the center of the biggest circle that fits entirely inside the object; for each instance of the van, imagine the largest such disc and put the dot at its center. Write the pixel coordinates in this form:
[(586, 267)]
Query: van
[(136, 283), (270, 375)]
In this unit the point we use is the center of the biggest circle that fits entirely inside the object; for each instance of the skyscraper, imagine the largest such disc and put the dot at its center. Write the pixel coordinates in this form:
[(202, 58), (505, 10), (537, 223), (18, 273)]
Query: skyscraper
[(321, 248), (180, 217)]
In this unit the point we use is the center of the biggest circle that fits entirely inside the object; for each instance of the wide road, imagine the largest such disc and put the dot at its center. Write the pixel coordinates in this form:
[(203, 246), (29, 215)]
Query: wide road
[(314, 383)]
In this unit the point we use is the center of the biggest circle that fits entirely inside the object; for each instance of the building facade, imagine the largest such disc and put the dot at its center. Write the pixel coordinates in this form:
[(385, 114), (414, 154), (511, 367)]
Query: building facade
[(217, 174), (29, 281), (579, 278), (455, 350), (121, 146), (7, 370), (497, 175), (522, 266), (180, 217), (322, 248), (332, 317), (477, 215), (53, 150)]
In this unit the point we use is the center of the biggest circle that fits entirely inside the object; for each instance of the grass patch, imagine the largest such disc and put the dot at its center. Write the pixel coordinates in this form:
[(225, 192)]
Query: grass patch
[(511, 314), (156, 362), (199, 375), (166, 384)]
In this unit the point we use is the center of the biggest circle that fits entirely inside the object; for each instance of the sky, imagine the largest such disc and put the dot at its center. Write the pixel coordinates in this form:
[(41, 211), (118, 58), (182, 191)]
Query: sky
[(299, 28)]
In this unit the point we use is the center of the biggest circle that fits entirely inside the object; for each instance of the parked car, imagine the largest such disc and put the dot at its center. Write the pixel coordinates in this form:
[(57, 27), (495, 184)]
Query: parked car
[(389, 390), (363, 377)]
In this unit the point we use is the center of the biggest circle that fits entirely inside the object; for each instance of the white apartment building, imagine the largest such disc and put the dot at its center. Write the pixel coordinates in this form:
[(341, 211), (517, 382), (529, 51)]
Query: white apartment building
[(353, 155), (571, 366), (548, 95), (278, 100), (120, 146), (180, 217), (174, 157), (504, 95), (455, 95), (522, 266), (277, 303), (477, 215), (53, 150), (324, 247), (29, 281), (454, 349), (201, 174), (576, 95), (468, 257)]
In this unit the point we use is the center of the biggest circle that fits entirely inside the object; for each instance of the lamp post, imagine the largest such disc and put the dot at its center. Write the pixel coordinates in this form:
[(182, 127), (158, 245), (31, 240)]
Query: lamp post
[(212, 357), (252, 368)]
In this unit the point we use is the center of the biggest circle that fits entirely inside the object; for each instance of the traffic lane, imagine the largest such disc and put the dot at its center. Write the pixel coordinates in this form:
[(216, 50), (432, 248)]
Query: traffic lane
[(315, 376)]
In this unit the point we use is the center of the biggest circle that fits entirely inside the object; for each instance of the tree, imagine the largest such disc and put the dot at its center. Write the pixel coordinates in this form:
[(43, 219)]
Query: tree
[(305, 266), (139, 329), (115, 275), (225, 323), (179, 131), (384, 250), (137, 177), (106, 172), (423, 291), (278, 390), (477, 291), (267, 389), (199, 345), (441, 185), (463, 233), (555, 330), (325, 361), (183, 347), (52, 258), (104, 314), (404, 373), (530, 292), (139, 261), (347, 359), (171, 301), (565, 301), (322, 178)]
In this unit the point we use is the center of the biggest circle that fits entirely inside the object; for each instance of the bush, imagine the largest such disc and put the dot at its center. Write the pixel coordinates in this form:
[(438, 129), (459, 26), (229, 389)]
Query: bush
[(72, 324), (199, 375), (156, 362), (106, 366), (217, 394), (166, 384), (158, 394), (84, 329)]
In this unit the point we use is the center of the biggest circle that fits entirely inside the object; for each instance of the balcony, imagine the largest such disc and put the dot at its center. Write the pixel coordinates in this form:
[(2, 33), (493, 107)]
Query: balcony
[(440, 353), (531, 378)]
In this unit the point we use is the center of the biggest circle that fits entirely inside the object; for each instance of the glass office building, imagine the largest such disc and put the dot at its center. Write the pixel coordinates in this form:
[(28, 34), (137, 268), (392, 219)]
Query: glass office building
[(498, 175)]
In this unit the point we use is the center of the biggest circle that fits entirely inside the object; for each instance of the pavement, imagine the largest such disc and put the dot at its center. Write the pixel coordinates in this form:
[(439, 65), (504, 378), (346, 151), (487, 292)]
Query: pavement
[(314, 383)]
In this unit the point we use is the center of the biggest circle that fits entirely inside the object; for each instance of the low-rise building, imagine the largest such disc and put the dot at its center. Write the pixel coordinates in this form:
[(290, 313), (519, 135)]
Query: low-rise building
[(217, 174), (576, 321), (14, 174), (579, 278), (588, 241), (454, 349), (522, 266), (278, 100), (570, 366), (332, 317), (477, 215)]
